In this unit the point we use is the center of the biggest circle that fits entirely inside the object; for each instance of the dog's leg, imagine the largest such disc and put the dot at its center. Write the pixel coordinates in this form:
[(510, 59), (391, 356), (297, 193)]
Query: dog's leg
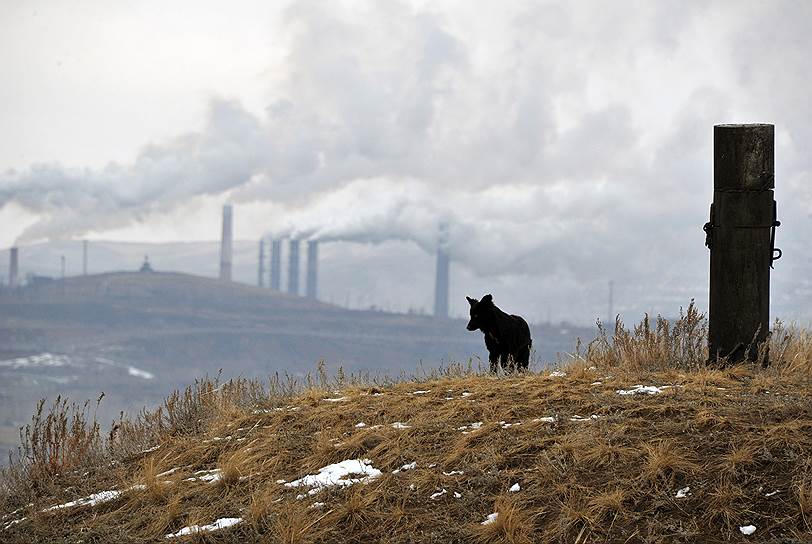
[(493, 357), (523, 358)]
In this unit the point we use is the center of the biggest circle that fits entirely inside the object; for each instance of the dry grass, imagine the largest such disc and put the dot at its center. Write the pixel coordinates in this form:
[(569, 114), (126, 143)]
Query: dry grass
[(592, 465)]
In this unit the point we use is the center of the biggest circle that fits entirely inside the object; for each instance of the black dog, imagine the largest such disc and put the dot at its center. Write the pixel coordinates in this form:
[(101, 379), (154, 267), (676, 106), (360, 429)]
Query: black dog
[(507, 337)]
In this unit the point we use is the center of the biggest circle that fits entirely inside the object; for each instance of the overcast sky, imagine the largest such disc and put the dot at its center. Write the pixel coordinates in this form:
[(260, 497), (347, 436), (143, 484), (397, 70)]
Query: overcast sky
[(565, 143)]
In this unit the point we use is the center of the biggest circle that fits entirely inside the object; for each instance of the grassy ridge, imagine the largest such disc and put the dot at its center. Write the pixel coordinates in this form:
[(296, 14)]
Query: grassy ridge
[(592, 465)]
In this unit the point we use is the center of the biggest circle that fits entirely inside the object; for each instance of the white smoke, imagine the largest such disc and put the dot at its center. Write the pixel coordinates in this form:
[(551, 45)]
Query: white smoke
[(569, 138)]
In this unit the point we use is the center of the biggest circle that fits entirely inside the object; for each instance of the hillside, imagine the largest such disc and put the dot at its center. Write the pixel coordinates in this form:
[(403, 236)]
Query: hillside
[(633, 441), (138, 336)]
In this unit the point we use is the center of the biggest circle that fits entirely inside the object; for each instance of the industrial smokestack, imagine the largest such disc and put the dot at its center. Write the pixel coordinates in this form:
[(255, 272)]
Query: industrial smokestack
[(261, 272), (226, 244), (276, 265), (84, 257), (13, 267), (441, 281), (312, 268), (293, 269)]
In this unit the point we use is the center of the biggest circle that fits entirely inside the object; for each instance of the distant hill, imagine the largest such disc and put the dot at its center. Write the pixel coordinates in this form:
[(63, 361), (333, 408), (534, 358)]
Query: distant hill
[(137, 336)]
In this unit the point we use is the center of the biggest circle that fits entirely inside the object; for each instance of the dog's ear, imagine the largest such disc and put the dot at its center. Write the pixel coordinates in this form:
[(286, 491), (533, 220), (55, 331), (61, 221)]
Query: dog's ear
[(487, 298), (471, 301)]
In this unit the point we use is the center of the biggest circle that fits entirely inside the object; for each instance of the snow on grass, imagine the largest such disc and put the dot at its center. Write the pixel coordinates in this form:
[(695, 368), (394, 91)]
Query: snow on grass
[(466, 394), (317, 505), (473, 426), (208, 476), (684, 492), (95, 499), (337, 399), (452, 473), (335, 475), (643, 390), (576, 417), (221, 523), (399, 425), (747, 530), (546, 419), (435, 496), (515, 488), (506, 425), (13, 522), (405, 467), (557, 374), (138, 373), (360, 425), (490, 519), (421, 392)]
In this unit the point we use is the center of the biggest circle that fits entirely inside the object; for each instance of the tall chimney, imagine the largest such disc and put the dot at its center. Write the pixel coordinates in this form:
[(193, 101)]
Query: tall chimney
[(293, 269), (13, 267), (276, 265), (225, 244), (441, 280), (84, 257), (261, 272), (312, 268)]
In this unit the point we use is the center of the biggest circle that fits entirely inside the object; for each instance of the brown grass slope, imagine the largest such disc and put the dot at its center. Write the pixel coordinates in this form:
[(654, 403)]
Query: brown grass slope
[(592, 465)]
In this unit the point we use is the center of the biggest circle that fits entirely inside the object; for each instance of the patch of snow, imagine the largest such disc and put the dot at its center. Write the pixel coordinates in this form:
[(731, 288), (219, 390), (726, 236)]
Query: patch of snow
[(448, 398), (168, 472), (466, 394), (508, 425), (596, 383), (412, 487), (339, 399), (684, 492), (515, 488), (546, 419), (13, 522), (94, 499), (432, 465), (453, 472), (557, 374), (138, 373), (360, 425), (576, 417), (643, 389), (221, 523), (317, 505), (490, 519), (747, 530), (149, 450), (772, 493), (457, 495), (281, 481), (399, 425), (406, 467), (208, 476), (421, 392), (334, 475), (472, 426), (439, 494)]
